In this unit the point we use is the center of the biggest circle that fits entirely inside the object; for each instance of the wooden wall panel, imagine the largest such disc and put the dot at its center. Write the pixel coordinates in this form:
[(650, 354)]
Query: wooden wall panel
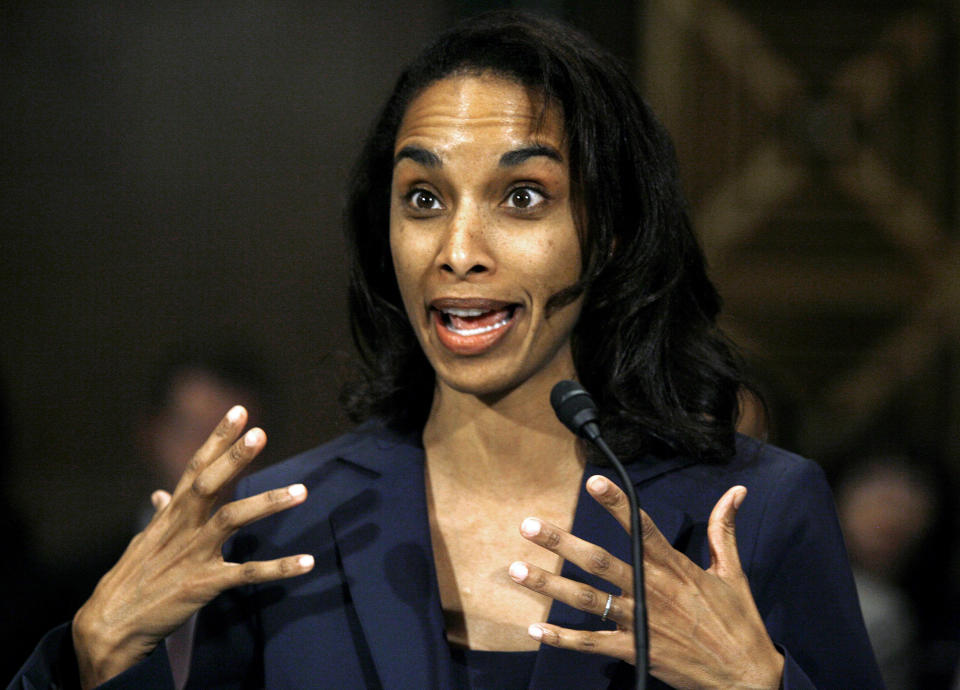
[(819, 148)]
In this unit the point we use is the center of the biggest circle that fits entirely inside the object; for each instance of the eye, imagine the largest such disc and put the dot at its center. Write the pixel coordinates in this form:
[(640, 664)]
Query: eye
[(423, 200), (525, 198)]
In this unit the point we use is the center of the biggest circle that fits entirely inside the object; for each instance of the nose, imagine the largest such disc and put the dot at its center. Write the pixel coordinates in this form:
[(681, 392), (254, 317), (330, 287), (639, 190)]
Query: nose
[(465, 252)]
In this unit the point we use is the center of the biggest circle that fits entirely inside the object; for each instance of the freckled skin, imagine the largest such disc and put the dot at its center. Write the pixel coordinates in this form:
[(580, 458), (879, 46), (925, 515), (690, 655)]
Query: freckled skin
[(475, 241)]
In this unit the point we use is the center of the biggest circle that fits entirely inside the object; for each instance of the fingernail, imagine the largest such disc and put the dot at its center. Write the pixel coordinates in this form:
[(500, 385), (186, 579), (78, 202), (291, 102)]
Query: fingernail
[(297, 490), (234, 415), (518, 571), (535, 631), (306, 561), (252, 438), (597, 484), (530, 527)]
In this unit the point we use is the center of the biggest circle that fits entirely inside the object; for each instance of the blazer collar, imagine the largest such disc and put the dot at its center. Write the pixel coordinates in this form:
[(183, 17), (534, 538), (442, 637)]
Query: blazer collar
[(394, 584)]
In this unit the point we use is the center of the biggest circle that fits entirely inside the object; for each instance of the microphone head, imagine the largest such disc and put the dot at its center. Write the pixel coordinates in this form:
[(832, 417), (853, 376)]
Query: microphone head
[(575, 408)]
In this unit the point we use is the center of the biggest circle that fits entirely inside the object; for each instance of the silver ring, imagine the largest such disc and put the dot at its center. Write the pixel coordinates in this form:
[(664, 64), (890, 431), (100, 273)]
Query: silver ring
[(606, 609)]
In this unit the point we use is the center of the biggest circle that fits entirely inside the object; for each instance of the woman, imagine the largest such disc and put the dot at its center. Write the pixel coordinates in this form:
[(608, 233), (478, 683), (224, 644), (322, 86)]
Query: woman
[(516, 220)]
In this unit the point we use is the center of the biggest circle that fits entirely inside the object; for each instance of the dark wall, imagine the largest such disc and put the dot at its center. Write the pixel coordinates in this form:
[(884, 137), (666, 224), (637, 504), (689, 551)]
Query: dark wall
[(173, 173)]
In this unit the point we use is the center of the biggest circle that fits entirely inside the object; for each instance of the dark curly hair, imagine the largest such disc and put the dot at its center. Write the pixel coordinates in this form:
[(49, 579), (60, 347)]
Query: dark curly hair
[(646, 345)]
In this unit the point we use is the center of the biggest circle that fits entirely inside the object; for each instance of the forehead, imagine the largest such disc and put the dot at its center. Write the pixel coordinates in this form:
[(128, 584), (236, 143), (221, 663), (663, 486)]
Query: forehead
[(484, 108)]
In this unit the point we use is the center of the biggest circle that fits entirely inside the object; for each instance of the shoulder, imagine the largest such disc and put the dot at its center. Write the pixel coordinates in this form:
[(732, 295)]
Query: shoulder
[(782, 482), (788, 521), (768, 472), (786, 493), (788, 501), (766, 462)]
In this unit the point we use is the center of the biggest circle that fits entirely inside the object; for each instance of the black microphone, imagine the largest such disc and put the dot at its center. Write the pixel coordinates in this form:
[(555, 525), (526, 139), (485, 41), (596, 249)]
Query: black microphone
[(576, 409)]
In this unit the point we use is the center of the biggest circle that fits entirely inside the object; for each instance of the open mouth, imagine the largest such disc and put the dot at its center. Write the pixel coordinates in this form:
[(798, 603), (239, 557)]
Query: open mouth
[(472, 328), (468, 322)]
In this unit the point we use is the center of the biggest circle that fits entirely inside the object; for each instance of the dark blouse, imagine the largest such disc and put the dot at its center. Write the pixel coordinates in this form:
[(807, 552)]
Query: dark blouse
[(478, 670)]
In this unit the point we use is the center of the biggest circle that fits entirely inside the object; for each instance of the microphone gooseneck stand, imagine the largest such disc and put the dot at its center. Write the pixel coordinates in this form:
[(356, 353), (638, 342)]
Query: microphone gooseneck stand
[(578, 412)]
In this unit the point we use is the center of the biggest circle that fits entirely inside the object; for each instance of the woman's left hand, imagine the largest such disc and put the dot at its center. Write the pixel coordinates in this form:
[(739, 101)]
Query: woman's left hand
[(704, 627)]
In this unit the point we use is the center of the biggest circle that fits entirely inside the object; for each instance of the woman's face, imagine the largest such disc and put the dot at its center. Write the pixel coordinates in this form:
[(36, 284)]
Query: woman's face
[(482, 233)]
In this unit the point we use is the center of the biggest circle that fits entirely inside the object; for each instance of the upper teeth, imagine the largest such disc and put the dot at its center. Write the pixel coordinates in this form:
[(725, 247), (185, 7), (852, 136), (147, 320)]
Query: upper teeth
[(465, 312)]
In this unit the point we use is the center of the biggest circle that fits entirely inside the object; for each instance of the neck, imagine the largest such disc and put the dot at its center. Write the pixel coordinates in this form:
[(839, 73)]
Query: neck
[(513, 443)]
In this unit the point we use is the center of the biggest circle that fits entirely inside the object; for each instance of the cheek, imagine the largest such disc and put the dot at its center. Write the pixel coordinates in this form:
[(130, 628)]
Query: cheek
[(554, 261), (408, 257), (567, 255)]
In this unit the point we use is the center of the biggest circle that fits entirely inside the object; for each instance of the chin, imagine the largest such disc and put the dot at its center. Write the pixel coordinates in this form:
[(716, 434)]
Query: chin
[(485, 386), (489, 382)]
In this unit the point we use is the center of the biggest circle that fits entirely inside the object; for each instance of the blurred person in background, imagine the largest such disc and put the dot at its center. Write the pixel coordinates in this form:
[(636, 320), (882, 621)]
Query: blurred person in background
[(886, 507), (191, 390)]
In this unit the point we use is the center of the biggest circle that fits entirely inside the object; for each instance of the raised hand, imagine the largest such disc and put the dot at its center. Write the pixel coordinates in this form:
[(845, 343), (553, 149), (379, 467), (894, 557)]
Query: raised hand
[(704, 627), (176, 565)]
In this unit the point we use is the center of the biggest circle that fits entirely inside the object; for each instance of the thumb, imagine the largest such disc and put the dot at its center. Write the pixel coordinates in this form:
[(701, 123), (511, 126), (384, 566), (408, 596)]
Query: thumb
[(722, 534)]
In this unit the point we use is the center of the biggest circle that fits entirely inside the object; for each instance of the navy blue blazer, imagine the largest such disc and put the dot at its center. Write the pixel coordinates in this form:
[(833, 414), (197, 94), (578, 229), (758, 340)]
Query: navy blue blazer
[(369, 614)]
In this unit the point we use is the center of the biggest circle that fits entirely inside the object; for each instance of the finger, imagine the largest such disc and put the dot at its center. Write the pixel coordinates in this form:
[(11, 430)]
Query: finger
[(722, 533), (611, 497), (589, 557), (159, 499), (615, 643), (218, 473), (575, 594), (226, 432), (657, 550), (254, 572), (236, 514)]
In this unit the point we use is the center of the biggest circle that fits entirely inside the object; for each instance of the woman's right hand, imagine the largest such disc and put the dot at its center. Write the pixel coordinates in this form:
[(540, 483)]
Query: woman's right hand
[(176, 565)]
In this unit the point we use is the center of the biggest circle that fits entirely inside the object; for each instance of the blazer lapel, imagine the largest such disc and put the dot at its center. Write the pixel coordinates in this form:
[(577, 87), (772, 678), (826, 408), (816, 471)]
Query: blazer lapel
[(555, 667), (391, 580), (393, 583)]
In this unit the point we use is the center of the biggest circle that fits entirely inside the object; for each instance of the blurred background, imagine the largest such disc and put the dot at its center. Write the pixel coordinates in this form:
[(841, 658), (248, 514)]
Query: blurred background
[(171, 185)]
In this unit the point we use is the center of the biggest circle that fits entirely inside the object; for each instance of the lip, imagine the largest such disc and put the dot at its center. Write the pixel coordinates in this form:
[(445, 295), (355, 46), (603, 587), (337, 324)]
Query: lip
[(470, 303), (485, 337)]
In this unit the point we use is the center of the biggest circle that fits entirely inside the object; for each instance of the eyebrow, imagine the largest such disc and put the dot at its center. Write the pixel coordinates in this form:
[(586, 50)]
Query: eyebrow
[(428, 159), (511, 158)]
